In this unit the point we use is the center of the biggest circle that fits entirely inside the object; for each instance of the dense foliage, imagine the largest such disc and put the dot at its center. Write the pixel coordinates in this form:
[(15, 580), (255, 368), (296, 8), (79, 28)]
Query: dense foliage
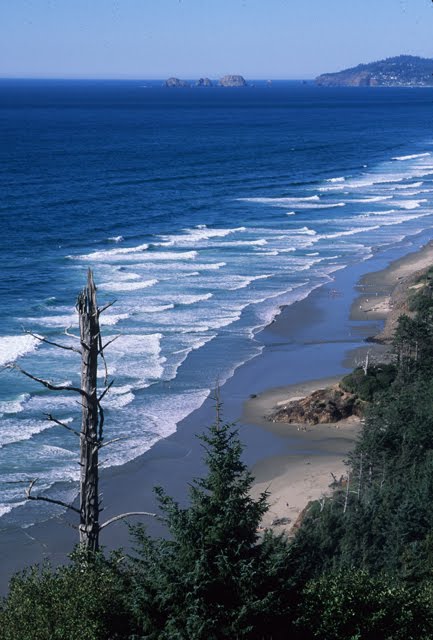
[(360, 567), (354, 605), (367, 385), (85, 600), (382, 519), (215, 577)]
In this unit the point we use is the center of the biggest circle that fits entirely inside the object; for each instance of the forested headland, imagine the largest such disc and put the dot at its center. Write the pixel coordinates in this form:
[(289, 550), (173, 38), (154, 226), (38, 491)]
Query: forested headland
[(360, 565)]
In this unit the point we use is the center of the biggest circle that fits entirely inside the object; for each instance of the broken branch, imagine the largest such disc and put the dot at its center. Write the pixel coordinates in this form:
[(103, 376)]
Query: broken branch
[(108, 343), (54, 344), (126, 515), (106, 306), (45, 499), (48, 384), (61, 424), (105, 444)]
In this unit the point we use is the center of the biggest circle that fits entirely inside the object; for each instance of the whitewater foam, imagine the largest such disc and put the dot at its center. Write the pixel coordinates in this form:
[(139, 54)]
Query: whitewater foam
[(127, 286), (244, 243), (241, 282), (157, 308), (309, 202), (14, 347), (409, 185), (197, 234), (71, 320), (349, 232), (159, 418), (97, 256), (14, 431), (119, 397), (134, 255), (191, 299), (13, 406), (409, 204), (306, 231), (284, 200), (371, 199), (144, 363), (412, 157)]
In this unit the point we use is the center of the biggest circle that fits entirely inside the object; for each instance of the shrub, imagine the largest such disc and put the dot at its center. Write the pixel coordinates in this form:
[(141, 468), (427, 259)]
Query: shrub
[(377, 379), (85, 600)]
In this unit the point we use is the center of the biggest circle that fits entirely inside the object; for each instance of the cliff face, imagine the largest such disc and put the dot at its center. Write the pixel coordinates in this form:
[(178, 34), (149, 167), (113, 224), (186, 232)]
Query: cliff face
[(401, 71), (361, 79)]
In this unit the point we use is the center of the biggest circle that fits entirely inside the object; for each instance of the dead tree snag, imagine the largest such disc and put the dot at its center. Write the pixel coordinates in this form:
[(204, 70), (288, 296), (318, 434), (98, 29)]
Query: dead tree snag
[(91, 433), (92, 419)]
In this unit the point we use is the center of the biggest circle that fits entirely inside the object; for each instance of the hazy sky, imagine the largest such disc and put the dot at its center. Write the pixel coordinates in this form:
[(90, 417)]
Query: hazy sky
[(192, 38)]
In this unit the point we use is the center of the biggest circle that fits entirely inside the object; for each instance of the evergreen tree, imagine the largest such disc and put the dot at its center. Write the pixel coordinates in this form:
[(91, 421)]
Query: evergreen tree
[(218, 576)]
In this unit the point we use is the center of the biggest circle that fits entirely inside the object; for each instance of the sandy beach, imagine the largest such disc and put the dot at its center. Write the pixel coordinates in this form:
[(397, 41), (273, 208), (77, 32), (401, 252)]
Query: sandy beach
[(294, 480), (383, 294), (314, 339)]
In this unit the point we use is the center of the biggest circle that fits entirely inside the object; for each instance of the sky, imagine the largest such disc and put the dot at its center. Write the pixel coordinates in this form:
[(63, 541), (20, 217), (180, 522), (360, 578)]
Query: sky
[(194, 38)]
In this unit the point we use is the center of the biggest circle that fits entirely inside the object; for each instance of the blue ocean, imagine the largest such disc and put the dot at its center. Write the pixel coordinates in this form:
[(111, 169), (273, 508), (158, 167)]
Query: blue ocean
[(202, 212)]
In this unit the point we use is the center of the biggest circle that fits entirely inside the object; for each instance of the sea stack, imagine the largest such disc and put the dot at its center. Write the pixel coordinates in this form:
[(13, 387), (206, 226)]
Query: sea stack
[(233, 81), (204, 82), (176, 82)]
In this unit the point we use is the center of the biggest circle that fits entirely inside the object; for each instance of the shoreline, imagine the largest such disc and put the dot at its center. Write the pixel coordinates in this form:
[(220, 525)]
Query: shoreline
[(314, 334), (293, 481), (383, 295)]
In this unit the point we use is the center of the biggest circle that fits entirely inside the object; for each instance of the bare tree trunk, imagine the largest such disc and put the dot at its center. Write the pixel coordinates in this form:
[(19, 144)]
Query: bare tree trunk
[(91, 433), (365, 366), (360, 478), (90, 423), (346, 497)]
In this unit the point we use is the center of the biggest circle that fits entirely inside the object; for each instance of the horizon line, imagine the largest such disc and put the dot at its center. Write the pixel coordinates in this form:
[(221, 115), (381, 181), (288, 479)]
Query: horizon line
[(154, 79)]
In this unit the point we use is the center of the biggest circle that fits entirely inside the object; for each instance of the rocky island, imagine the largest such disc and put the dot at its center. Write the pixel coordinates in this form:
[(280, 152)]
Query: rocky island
[(400, 71), (225, 81), (233, 81), (176, 83), (204, 82)]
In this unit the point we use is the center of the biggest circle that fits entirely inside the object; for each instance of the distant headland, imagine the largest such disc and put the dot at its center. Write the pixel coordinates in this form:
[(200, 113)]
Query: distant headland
[(225, 81), (400, 71)]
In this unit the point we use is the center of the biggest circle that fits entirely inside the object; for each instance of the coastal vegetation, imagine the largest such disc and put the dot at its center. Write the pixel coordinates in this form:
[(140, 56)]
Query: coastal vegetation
[(359, 565)]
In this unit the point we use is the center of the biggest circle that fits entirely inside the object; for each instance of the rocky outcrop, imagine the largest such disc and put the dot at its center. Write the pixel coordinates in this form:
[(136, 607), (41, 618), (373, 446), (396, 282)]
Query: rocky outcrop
[(204, 82), (233, 81), (361, 79), (176, 82), (321, 407)]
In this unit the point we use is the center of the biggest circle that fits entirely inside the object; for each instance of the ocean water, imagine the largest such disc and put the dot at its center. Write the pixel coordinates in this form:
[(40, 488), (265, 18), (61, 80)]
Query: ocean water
[(201, 211)]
